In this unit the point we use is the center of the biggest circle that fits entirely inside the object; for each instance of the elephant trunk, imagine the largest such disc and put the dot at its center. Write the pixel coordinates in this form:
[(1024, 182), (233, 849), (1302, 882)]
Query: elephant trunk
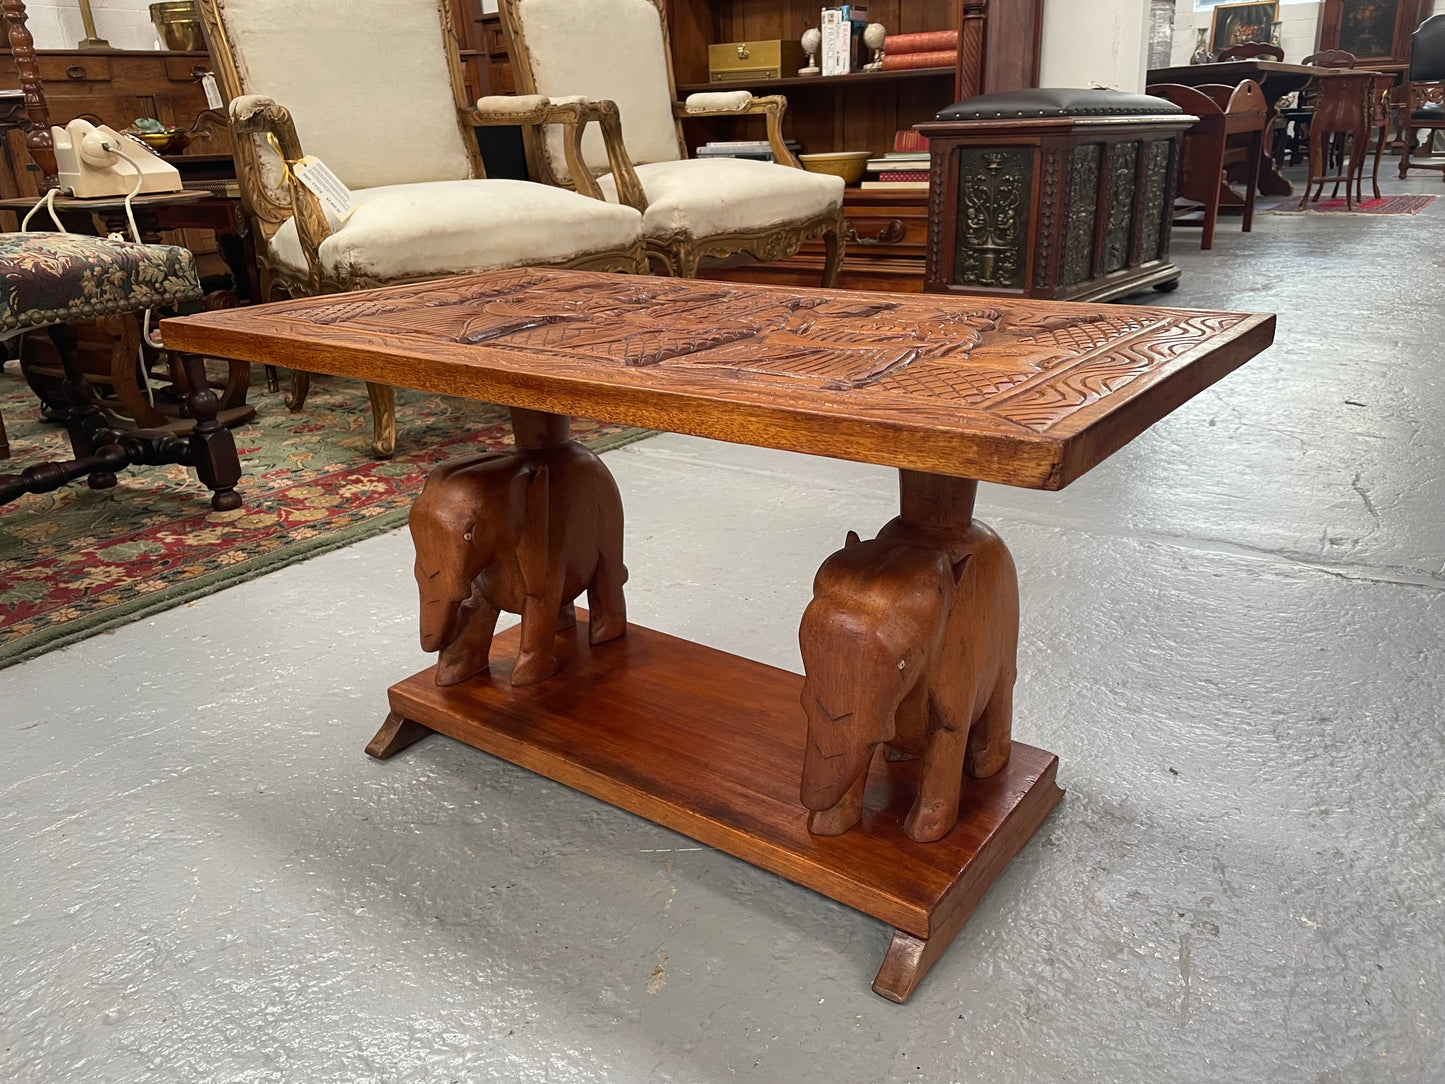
[(828, 773), (442, 596)]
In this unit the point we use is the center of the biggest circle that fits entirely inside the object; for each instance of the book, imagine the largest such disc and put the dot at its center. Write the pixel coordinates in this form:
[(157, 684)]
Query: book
[(931, 41), (906, 139), (945, 58), (901, 186), (842, 33), (899, 176), (909, 160)]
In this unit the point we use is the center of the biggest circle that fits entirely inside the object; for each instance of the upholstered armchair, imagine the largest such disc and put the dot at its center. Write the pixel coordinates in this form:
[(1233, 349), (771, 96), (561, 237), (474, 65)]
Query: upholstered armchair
[(618, 50), (374, 90), (1422, 98)]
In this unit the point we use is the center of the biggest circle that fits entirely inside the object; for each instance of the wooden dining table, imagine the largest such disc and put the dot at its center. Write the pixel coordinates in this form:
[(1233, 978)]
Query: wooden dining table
[(1276, 79)]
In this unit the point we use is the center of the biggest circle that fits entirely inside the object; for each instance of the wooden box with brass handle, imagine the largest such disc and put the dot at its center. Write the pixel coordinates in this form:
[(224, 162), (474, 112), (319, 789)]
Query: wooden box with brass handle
[(743, 61)]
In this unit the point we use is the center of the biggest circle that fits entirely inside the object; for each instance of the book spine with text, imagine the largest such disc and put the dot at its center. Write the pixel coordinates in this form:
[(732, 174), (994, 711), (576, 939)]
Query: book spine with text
[(932, 41)]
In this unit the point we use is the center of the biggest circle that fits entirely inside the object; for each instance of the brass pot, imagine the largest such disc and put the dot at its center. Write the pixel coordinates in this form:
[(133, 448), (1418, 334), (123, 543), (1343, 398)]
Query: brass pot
[(178, 22)]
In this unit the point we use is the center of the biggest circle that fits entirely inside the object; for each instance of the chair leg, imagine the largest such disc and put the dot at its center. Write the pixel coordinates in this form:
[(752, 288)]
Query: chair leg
[(83, 417), (1379, 153), (273, 379), (300, 388), (1211, 214), (1407, 140), (4, 440), (833, 248), (383, 419), (1255, 160)]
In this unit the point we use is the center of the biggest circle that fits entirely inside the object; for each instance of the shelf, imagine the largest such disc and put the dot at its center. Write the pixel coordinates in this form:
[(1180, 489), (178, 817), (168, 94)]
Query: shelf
[(819, 80)]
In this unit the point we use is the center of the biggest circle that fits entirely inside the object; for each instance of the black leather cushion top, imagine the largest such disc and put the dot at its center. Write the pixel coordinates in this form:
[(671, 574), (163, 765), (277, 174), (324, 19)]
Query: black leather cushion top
[(1434, 112), (1057, 102), (1427, 51)]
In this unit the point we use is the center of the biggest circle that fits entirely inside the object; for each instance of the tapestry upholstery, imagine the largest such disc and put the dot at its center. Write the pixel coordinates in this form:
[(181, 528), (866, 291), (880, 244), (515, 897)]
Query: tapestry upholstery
[(450, 227), (57, 278)]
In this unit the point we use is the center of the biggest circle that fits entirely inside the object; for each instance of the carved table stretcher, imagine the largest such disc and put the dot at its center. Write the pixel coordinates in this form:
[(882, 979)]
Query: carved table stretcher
[(950, 390)]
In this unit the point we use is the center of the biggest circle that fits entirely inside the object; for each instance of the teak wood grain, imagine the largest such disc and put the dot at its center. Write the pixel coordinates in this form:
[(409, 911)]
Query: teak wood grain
[(1024, 393), (710, 744)]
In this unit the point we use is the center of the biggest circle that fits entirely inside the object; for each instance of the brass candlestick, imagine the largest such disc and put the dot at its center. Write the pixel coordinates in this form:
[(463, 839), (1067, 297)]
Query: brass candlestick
[(91, 40)]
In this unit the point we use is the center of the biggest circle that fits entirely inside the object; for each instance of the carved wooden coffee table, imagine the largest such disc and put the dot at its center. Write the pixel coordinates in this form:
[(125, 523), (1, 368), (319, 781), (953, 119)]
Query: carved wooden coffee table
[(911, 637)]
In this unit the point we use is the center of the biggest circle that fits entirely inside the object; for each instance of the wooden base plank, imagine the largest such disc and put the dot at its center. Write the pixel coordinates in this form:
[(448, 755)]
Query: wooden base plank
[(711, 745)]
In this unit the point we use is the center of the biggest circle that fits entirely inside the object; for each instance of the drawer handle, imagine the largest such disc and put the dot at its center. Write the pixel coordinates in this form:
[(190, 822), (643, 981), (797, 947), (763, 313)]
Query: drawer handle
[(198, 71), (891, 233), (75, 71), (743, 53)]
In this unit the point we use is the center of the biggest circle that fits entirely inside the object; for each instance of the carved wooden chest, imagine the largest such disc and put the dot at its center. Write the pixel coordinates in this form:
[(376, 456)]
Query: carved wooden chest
[(1056, 194)]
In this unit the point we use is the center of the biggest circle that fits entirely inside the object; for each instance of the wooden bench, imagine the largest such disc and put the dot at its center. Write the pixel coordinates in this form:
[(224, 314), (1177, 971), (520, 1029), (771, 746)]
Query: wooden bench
[(910, 639)]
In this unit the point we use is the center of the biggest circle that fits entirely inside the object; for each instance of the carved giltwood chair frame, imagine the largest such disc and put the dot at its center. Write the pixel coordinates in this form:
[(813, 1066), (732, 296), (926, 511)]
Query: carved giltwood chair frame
[(289, 220), (673, 247)]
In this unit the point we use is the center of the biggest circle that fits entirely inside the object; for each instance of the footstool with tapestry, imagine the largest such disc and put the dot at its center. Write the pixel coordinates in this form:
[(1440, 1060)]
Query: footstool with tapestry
[(52, 280)]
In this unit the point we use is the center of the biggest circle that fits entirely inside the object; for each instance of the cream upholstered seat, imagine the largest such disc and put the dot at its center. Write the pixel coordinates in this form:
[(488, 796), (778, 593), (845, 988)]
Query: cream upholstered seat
[(408, 231), (373, 89), (692, 209)]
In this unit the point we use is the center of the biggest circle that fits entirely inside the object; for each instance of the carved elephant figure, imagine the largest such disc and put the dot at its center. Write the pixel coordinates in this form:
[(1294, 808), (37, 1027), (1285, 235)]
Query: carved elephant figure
[(912, 647), (526, 532)]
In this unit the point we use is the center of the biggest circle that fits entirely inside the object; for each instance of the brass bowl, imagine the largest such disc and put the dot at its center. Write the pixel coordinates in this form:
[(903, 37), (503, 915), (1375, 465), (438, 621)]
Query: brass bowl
[(171, 141), (178, 22), (846, 164)]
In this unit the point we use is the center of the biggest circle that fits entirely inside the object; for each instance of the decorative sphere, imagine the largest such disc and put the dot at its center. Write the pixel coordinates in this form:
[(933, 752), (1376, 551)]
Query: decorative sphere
[(873, 35), (811, 41)]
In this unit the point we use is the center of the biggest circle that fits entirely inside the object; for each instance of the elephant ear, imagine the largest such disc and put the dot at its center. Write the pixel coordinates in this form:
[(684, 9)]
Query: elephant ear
[(532, 541), (960, 567), (852, 539)]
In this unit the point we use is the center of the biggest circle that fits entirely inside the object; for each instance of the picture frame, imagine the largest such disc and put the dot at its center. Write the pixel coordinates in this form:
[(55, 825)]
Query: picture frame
[(1376, 31), (1238, 24)]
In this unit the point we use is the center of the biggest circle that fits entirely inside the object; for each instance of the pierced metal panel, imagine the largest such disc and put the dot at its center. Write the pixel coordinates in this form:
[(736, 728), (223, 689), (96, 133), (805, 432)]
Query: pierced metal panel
[(993, 217), (1083, 205)]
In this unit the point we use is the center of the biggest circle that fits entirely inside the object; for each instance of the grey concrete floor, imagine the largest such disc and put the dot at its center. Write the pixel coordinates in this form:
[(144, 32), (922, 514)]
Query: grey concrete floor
[(1232, 638)]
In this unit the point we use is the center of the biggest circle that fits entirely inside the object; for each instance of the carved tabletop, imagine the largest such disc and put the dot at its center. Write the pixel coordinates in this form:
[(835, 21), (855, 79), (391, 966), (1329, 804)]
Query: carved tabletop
[(1025, 393)]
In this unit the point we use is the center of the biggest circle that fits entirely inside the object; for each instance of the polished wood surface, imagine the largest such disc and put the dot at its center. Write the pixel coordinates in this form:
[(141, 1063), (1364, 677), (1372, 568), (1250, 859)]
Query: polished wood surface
[(525, 531), (711, 745), (1275, 79), (1020, 392), (910, 643)]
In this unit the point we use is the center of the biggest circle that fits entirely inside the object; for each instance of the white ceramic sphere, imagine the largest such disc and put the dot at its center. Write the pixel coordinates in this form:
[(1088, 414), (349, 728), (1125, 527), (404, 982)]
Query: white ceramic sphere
[(812, 38), (873, 35)]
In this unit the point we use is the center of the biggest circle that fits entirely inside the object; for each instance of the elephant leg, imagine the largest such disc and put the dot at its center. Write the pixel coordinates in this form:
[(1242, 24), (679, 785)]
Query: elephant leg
[(537, 661), (605, 600), (469, 654), (940, 777), (990, 737), (567, 617), (849, 810)]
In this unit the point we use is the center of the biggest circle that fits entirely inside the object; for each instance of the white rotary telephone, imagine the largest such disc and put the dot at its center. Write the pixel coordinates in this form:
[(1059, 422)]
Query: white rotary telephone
[(97, 161)]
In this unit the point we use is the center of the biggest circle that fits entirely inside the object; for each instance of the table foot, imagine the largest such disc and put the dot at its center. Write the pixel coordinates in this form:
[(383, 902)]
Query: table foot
[(395, 735)]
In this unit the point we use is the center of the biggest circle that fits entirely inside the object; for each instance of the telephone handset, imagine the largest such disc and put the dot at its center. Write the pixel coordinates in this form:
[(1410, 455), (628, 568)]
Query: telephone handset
[(96, 160)]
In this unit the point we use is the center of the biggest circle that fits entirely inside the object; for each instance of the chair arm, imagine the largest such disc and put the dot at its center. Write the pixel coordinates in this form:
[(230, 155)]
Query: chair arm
[(258, 115), (734, 103), (573, 113)]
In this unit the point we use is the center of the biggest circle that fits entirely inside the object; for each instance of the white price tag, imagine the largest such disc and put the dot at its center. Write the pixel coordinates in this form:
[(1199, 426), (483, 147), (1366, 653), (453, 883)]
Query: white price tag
[(333, 194), (213, 92)]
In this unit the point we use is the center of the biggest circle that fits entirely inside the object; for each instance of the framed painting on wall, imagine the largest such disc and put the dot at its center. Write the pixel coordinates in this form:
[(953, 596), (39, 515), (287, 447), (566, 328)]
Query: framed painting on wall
[(1240, 24), (1376, 31)]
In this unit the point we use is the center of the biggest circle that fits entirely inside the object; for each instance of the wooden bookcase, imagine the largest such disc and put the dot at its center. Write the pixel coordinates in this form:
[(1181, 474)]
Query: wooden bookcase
[(886, 230)]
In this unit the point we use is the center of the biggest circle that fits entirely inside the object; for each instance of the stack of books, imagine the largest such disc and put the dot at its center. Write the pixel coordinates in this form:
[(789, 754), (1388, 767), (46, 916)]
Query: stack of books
[(933, 49), (902, 169), (759, 149)]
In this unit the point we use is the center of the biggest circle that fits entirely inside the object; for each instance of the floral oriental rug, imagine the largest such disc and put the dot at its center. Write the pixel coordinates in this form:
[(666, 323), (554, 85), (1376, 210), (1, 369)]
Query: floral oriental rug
[(77, 561)]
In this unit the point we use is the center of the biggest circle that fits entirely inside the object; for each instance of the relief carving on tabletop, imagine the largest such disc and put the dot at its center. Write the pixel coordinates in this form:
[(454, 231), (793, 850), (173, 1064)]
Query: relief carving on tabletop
[(1020, 367)]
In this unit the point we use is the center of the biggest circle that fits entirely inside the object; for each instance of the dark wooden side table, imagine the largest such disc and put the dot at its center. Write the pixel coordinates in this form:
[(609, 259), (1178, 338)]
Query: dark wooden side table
[(1276, 79), (108, 355), (950, 390)]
